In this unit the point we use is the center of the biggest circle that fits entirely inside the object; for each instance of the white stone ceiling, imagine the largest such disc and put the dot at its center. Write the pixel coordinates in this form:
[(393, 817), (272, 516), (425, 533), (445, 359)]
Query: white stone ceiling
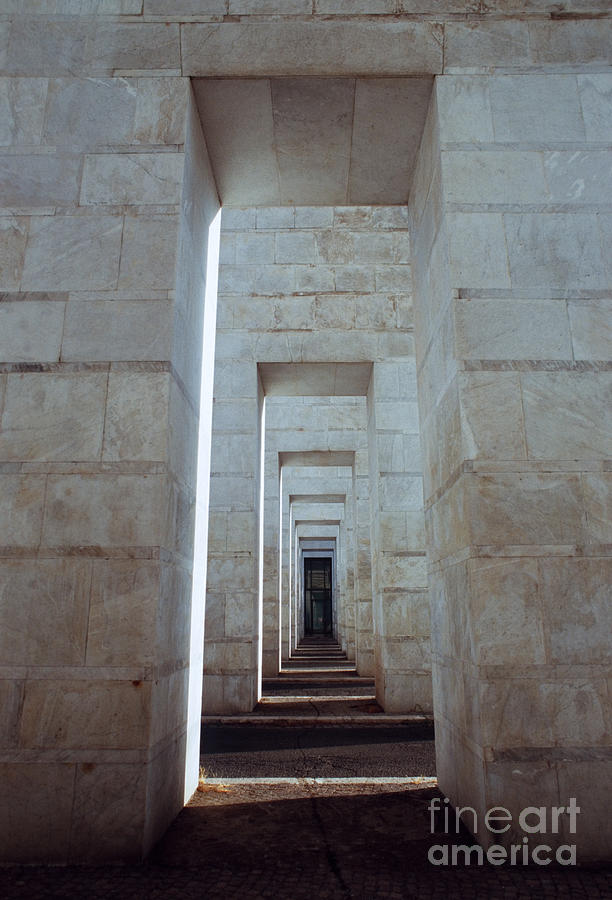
[(311, 141)]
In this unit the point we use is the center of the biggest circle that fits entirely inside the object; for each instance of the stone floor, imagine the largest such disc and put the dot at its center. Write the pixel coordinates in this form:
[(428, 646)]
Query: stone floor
[(298, 842), (340, 838)]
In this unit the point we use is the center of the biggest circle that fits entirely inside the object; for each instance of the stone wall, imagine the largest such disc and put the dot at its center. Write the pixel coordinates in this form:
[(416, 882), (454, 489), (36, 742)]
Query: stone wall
[(101, 347), (513, 282), (92, 130), (294, 282)]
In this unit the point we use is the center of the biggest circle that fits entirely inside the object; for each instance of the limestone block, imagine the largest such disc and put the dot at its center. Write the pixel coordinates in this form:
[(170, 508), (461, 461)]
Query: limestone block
[(161, 105), (133, 46), (136, 416), (22, 509), (179, 518), (397, 415), (31, 331), (267, 280), (390, 452), (478, 46), (227, 248), (148, 253), (382, 247), (295, 247), (293, 313), (238, 219), (494, 177), (391, 217), (318, 48), (406, 615), (583, 780), (546, 106), (36, 181), (182, 436), (527, 508), (25, 636), (412, 694), (333, 311), (241, 530), (255, 248), (72, 253), (397, 571), (87, 111), (121, 630), (572, 713), (567, 414), (464, 110), (232, 493), (270, 7), (173, 623), (240, 613), (38, 800), (579, 177), (309, 278), (591, 328), (85, 714), (357, 278), (273, 217), (520, 329), (393, 278), (22, 110), (506, 619), (350, 7), (314, 216), (564, 251), (41, 45), (114, 829), (233, 454), (234, 656), (235, 379), (13, 238), (478, 255), (595, 99), (103, 111), (235, 415), (598, 501), (575, 598), (118, 329), (335, 247), (492, 415), (136, 178), (106, 510), (525, 782), (74, 7), (583, 43), (403, 492), (171, 8), (53, 416)]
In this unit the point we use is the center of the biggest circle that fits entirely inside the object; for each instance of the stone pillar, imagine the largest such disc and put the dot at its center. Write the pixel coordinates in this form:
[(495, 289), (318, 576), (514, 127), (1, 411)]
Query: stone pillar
[(101, 343), (233, 595), (399, 574), (271, 561), (364, 634), (512, 283)]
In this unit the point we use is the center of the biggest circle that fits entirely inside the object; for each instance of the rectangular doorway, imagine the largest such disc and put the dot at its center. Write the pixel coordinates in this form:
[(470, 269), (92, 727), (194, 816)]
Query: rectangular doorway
[(317, 595)]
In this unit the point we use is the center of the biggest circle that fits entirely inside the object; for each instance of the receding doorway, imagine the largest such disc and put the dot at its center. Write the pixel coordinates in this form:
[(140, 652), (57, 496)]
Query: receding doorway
[(318, 618)]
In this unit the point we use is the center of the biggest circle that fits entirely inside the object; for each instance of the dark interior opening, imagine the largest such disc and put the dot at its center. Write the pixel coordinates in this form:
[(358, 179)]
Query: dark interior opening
[(318, 595)]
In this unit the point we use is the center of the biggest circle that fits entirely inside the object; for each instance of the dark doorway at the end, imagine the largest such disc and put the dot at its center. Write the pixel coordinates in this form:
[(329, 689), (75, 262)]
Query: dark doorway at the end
[(318, 595)]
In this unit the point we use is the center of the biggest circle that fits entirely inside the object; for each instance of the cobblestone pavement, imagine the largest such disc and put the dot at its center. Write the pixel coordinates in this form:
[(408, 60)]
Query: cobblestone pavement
[(303, 842)]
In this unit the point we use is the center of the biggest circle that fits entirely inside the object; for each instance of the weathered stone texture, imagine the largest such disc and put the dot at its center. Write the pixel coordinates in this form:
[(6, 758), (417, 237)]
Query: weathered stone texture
[(515, 426)]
